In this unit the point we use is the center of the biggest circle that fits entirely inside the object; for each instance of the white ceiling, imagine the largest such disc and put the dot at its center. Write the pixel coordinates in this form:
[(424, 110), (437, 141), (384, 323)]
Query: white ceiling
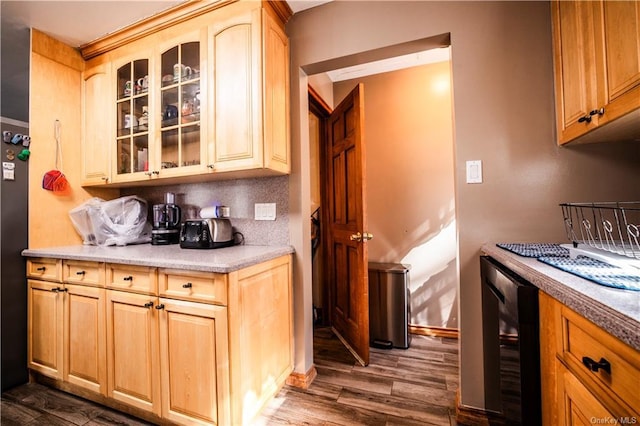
[(79, 22)]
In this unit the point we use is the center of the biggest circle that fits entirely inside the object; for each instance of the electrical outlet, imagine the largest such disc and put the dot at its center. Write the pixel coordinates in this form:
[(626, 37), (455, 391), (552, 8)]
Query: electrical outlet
[(265, 211)]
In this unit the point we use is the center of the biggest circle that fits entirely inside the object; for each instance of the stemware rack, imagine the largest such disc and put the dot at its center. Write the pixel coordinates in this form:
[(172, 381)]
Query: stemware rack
[(610, 226)]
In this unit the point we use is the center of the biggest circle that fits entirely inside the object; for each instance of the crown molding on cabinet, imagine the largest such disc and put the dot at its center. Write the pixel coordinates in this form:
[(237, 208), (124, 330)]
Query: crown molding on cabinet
[(148, 26), (168, 18)]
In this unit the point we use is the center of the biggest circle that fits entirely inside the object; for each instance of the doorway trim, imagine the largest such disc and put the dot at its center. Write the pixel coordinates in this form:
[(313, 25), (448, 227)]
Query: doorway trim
[(299, 224)]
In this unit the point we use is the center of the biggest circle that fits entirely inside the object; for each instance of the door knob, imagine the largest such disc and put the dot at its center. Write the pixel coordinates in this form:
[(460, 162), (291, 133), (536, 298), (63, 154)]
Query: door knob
[(361, 237)]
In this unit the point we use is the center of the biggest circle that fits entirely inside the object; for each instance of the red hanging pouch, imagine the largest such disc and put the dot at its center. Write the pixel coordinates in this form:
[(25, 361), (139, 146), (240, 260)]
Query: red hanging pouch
[(54, 180)]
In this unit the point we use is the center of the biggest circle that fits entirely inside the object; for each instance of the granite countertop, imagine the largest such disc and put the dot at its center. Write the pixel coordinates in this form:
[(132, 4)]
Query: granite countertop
[(222, 260), (616, 311)]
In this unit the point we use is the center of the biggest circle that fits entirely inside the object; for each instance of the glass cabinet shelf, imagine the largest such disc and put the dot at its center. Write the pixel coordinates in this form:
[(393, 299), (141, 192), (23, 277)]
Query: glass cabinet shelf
[(180, 103), (132, 116)]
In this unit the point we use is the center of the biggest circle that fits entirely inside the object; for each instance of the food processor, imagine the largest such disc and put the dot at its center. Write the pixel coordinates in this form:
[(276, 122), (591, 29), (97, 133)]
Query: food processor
[(166, 221)]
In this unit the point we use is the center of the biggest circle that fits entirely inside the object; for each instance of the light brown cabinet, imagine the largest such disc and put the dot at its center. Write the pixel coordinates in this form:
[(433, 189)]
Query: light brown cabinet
[(67, 331), (96, 124), (249, 57), (597, 68), (163, 344), (195, 383), (132, 348), (168, 357), (586, 373), (202, 97)]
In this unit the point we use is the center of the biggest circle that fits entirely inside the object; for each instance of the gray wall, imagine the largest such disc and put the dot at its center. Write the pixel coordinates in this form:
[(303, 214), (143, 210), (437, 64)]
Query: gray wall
[(14, 113), (503, 115)]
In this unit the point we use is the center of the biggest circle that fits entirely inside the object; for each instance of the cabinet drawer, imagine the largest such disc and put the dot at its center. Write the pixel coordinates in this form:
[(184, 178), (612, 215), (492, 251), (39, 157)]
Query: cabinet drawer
[(193, 285), (583, 343), (137, 279), (85, 273), (44, 269)]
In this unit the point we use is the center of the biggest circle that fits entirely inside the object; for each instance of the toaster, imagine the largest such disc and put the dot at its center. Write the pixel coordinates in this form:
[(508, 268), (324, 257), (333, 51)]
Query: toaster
[(206, 233)]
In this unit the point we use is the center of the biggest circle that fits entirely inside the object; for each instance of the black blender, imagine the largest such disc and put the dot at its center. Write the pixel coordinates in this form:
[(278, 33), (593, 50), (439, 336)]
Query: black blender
[(166, 221)]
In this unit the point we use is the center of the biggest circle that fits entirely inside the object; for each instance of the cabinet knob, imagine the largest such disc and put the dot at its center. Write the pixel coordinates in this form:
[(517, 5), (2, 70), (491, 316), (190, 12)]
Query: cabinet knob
[(160, 306), (80, 273), (41, 269), (56, 289), (129, 278), (585, 119), (597, 111), (187, 285), (148, 305), (210, 166), (156, 172), (148, 173), (592, 365), (105, 179)]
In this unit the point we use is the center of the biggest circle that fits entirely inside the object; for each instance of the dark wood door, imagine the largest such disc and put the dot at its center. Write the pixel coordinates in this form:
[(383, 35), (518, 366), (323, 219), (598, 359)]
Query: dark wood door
[(347, 236)]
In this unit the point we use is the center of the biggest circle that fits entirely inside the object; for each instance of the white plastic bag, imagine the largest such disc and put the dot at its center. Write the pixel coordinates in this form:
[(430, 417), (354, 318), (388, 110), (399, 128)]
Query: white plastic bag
[(116, 222)]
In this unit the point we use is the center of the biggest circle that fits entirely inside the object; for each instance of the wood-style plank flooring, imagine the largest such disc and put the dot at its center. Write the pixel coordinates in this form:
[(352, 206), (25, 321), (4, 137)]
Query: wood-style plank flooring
[(399, 387)]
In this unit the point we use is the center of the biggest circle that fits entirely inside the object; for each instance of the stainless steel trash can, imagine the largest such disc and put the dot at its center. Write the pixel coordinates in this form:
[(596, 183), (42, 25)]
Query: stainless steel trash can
[(389, 305)]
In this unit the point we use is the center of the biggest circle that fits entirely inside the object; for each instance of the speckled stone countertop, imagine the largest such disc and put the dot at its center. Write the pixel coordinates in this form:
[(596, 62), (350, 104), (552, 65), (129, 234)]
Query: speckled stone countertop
[(616, 311), (222, 260)]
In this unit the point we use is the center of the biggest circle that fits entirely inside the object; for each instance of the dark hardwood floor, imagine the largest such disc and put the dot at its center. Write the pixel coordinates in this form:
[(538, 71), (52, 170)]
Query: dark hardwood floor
[(400, 387)]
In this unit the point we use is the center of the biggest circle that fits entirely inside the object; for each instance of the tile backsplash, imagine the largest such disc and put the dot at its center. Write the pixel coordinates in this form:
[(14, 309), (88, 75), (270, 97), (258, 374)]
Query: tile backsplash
[(239, 195)]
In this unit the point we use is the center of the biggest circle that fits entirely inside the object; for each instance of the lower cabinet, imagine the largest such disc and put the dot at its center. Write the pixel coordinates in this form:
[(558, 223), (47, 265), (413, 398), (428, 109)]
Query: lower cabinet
[(46, 322), (186, 359), (194, 362), (168, 357), (133, 362), (66, 333), (588, 376), (577, 405)]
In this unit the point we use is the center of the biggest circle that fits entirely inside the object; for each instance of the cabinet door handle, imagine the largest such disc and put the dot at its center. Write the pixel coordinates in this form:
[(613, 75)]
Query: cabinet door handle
[(160, 306), (599, 111), (187, 285), (55, 290), (148, 305), (592, 365), (129, 278), (41, 269), (586, 118), (80, 273), (210, 166)]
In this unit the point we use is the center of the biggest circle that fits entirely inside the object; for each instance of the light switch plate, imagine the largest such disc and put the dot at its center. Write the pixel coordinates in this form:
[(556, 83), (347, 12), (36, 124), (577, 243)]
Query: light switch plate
[(265, 211), (474, 171)]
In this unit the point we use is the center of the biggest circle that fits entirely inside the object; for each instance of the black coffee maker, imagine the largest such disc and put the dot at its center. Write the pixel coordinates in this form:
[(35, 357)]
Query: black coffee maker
[(166, 221)]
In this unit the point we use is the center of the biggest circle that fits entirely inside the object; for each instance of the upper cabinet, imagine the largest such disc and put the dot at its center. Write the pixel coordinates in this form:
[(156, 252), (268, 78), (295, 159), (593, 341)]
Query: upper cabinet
[(597, 69), (131, 100), (96, 123), (206, 95), (249, 94)]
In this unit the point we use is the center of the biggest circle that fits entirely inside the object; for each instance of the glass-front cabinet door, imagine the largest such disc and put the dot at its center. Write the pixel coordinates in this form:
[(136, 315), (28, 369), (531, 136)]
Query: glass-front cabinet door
[(181, 99), (132, 119)]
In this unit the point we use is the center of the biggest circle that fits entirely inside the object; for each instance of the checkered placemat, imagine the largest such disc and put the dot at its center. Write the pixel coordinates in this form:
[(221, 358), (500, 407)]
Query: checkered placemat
[(535, 249), (594, 270)]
